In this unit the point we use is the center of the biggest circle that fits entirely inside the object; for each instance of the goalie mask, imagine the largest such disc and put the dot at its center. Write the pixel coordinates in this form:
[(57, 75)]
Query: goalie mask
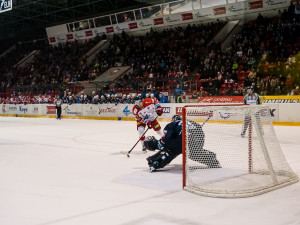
[(151, 143), (176, 118)]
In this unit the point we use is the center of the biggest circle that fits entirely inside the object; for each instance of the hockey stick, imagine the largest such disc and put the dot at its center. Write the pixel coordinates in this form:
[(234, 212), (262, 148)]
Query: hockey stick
[(138, 140), (136, 143), (115, 104)]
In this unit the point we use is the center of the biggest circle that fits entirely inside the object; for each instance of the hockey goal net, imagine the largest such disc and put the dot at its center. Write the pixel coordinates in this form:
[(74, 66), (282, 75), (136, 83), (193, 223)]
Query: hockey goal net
[(220, 162)]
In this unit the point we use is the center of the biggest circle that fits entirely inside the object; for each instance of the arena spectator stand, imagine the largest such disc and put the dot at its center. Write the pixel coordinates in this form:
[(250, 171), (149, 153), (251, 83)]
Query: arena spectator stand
[(265, 55)]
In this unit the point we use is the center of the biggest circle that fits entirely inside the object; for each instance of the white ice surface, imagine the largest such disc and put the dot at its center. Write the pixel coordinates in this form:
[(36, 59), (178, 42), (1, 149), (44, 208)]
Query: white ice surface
[(70, 172)]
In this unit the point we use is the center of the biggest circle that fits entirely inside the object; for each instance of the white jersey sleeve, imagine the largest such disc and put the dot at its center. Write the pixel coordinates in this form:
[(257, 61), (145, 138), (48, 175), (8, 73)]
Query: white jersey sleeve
[(148, 113)]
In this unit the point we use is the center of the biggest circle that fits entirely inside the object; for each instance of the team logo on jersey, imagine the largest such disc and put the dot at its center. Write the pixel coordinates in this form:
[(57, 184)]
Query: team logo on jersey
[(127, 111)]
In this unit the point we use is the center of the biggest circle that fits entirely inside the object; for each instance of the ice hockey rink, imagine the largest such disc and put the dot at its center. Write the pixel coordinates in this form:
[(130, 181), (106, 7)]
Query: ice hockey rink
[(71, 172)]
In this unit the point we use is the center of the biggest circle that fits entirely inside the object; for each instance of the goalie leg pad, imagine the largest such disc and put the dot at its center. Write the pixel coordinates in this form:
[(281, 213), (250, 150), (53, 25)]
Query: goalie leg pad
[(161, 159)]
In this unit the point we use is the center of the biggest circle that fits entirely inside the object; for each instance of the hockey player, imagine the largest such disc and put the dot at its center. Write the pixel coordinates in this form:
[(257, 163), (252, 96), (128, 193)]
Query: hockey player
[(170, 145), (251, 99), (103, 100), (124, 99), (96, 100), (108, 99), (115, 99), (146, 113)]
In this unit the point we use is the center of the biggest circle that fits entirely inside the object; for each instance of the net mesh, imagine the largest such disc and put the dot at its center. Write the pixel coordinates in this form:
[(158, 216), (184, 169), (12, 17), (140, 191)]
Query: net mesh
[(235, 153)]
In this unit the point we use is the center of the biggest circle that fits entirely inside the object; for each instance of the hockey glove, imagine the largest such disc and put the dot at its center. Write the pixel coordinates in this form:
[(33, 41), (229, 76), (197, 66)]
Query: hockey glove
[(160, 145), (159, 111), (149, 124)]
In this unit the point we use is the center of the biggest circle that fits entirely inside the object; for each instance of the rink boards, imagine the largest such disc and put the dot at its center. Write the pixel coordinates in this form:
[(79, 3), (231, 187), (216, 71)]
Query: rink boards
[(281, 113)]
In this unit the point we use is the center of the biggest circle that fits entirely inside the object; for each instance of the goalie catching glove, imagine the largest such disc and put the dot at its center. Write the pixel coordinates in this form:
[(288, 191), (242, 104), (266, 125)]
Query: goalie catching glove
[(151, 143)]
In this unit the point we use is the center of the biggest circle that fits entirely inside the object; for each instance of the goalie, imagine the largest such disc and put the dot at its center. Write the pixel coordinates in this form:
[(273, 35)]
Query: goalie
[(170, 145)]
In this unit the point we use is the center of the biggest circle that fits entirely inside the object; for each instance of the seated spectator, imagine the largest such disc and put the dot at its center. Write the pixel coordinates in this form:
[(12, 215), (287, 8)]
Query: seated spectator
[(163, 99), (294, 91), (211, 89), (177, 92), (179, 98)]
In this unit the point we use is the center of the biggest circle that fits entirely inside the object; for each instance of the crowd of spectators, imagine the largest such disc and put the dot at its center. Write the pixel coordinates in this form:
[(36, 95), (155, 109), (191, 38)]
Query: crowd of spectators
[(158, 58), (53, 66), (264, 55), (70, 98)]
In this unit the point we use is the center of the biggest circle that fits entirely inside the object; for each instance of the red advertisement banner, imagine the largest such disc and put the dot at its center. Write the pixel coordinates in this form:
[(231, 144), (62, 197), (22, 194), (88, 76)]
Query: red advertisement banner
[(219, 11), (51, 109), (255, 5), (70, 36), (109, 29), (88, 33), (179, 110), (132, 25), (225, 99), (187, 16), (158, 21), (52, 39)]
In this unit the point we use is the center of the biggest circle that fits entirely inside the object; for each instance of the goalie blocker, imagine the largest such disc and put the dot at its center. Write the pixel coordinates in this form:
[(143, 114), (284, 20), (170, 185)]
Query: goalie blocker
[(170, 145)]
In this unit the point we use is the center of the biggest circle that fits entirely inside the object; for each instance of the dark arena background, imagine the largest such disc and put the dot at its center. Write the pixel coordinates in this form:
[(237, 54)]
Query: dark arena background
[(72, 74)]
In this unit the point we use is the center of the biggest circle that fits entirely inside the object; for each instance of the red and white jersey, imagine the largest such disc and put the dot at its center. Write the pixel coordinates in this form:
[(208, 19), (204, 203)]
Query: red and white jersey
[(148, 113), (135, 111)]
